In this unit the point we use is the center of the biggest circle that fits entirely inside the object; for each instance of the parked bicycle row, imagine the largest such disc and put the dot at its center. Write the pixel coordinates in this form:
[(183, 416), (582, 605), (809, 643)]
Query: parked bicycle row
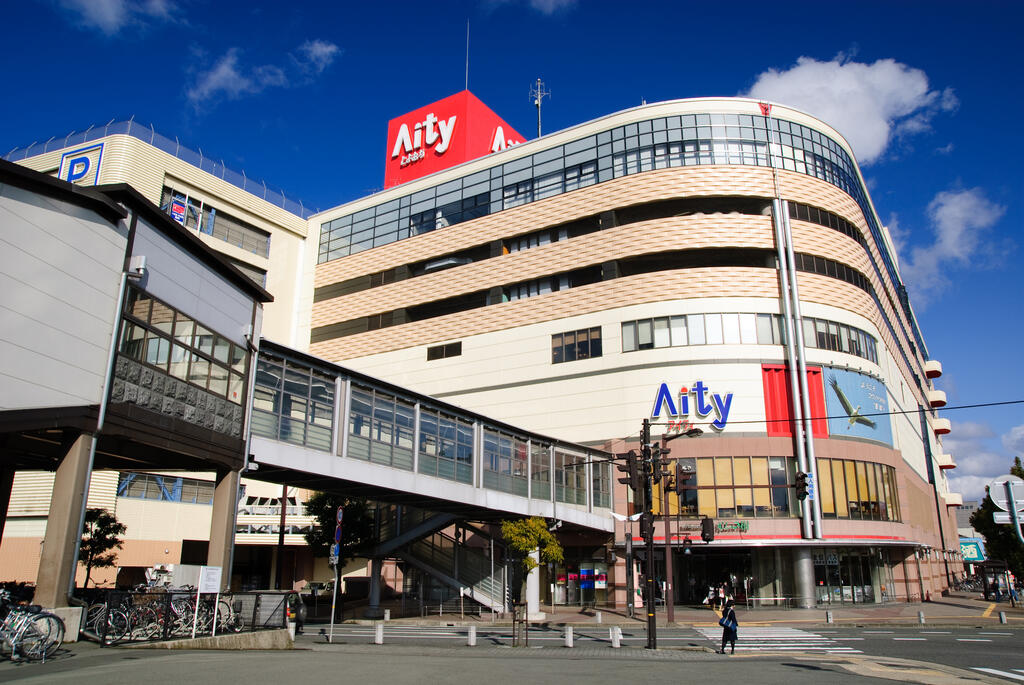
[(165, 615), (27, 631)]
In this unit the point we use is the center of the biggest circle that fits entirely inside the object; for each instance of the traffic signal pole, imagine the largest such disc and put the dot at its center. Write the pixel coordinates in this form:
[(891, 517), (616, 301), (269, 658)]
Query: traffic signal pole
[(648, 516)]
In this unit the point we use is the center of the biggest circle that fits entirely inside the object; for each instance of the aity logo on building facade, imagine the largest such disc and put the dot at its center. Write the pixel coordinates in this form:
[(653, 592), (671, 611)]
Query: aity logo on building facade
[(719, 404), (441, 135), (432, 132)]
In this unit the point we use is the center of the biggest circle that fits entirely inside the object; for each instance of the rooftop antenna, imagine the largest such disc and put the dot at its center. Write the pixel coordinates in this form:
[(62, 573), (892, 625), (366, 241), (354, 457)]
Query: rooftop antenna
[(467, 54), (537, 93)]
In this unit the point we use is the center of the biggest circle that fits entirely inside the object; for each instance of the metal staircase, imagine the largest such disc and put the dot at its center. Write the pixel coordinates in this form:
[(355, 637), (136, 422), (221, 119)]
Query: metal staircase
[(456, 554)]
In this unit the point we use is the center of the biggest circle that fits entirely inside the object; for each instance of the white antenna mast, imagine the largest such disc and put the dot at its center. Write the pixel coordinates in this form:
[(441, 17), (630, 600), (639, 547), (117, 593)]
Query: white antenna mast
[(467, 54), (537, 93)]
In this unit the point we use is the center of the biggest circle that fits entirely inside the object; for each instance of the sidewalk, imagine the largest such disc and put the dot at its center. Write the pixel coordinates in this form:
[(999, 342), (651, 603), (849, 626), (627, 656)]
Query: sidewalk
[(953, 610)]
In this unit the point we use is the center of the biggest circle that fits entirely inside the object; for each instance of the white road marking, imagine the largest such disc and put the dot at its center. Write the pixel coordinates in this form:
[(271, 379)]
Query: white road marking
[(973, 639), (1003, 674), (910, 638)]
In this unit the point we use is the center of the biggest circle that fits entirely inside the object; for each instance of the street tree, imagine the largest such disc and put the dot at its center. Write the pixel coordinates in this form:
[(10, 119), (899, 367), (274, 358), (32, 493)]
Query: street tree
[(1001, 542), (100, 535), (523, 536), (357, 525)]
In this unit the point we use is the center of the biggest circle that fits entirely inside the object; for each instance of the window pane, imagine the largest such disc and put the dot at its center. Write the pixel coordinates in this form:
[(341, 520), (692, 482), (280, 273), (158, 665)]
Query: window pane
[(661, 334), (695, 328), (162, 318), (713, 323), (723, 471), (748, 329), (183, 328), (678, 329), (645, 334), (730, 329), (828, 507), (628, 336)]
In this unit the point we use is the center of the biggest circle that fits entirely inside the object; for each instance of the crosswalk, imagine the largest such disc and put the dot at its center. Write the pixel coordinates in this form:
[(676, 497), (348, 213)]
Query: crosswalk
[(774, 639), (1014, 674)]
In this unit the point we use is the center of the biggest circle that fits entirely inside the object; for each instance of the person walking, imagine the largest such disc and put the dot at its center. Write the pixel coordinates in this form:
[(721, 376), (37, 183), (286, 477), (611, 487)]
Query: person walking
[(729, 626)]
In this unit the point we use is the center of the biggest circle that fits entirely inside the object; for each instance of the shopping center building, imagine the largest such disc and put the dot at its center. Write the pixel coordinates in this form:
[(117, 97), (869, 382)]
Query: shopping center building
[(651, 264), (669, 262)]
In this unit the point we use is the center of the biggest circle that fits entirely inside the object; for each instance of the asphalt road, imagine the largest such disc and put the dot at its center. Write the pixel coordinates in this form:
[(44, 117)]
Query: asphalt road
[(422, 654), (999, 651)]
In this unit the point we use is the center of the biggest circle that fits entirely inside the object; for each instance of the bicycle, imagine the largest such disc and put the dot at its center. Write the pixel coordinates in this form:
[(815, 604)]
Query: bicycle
[(29, 632)]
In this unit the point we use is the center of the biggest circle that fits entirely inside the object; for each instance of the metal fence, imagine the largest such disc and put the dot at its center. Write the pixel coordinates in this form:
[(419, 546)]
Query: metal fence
[(121, 616)]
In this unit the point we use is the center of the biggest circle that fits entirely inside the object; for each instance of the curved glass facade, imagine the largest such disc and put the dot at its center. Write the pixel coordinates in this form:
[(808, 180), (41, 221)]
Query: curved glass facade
[(663, 142)]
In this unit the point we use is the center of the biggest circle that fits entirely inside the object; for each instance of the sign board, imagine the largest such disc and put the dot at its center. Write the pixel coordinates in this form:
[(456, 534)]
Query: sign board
[(332, 558), (81, 166), (451, 131), (209, 579), (1001, 517), (997, 491), (972, 549)]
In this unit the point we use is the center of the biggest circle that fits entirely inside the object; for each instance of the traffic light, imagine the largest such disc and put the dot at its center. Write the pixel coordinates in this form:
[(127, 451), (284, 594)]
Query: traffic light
[(683, 474), (801, 485), (647, 525), (707, 529), (632, 479)]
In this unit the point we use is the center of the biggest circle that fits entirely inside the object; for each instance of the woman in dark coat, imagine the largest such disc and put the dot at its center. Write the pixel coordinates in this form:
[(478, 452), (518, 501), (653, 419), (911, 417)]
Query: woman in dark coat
[(729, 626)]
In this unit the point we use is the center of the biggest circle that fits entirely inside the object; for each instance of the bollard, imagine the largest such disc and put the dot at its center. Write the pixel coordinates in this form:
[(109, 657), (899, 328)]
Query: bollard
[(378, 635), (598, 615), (615, 635), (471, 639), (568, 636), (1002, 617), (828, 617), (387, 614), (920, 617)]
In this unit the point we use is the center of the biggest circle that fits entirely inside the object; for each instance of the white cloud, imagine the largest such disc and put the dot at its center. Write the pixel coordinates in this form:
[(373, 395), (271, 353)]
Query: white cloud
[(229, 79), (960, 221), (1013, 441), (110, 16), (869, 104), (976, 463), (318, 54), (543, 6)]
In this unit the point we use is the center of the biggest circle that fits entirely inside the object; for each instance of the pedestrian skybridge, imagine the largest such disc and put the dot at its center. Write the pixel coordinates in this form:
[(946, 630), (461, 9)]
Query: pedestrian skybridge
[(320, 426)]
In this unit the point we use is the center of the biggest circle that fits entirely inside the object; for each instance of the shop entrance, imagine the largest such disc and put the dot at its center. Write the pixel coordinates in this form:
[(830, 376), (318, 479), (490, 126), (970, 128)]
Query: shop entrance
[(700, 570), (855, 576)]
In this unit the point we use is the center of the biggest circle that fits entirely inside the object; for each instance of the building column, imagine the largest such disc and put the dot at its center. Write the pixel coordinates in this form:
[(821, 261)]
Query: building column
[(6, 483), (374, 610), (222, 524), (533, 611), (803, 575), (64, 525)]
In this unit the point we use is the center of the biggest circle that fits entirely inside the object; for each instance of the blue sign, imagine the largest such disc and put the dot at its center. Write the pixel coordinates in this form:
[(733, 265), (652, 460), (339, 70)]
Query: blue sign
[(704, 401), (857, 405), (972, 549), (82, 166)]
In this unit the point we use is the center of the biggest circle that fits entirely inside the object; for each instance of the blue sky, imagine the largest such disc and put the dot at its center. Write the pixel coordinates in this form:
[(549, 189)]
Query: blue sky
[(300, 96)]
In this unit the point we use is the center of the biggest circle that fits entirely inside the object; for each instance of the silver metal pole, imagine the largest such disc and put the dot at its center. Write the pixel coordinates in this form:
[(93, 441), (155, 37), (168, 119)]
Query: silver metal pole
[(794, 382), (798, 324), (334, 603)]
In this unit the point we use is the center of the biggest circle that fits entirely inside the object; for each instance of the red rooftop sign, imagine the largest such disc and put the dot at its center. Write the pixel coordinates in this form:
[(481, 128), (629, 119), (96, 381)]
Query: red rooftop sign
[(448, 132)]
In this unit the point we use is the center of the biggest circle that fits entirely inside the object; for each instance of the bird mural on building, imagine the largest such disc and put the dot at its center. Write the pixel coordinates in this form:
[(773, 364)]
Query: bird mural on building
[(854, 414)]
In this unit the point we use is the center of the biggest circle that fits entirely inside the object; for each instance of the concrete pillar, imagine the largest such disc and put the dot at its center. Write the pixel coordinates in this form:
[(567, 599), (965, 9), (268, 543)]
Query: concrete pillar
[(533, 611), (803, 577), (6, 483), (373, 610), (63, 525), (222, 524)]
